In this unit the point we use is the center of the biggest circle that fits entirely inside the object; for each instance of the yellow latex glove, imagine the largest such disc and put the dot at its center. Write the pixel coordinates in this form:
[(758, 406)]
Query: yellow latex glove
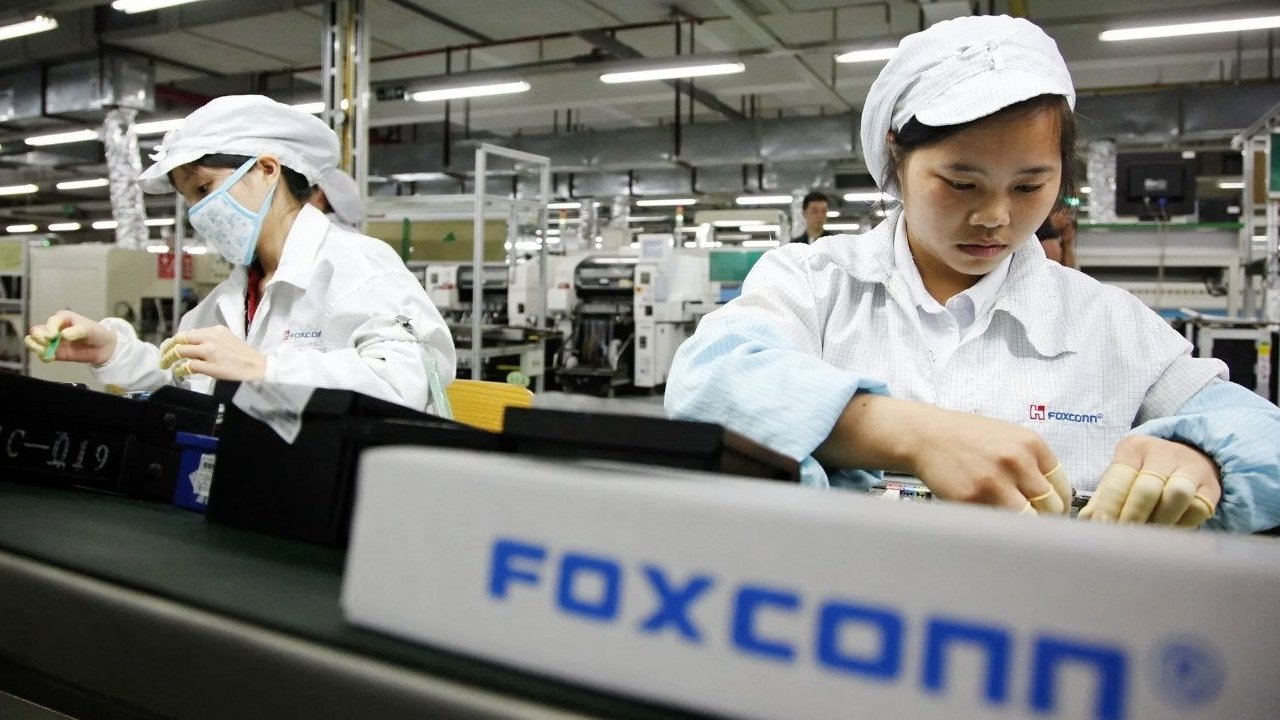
[(68, 336), (1055, 501), (212, 351), (1156, 481)]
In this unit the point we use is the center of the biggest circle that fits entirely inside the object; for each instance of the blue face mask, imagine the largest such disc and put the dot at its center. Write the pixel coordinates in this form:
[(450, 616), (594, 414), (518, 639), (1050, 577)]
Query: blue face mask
[(226, 225)]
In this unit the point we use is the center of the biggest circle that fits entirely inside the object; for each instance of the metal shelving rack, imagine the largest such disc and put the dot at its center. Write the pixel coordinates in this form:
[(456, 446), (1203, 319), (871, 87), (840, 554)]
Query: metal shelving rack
[(15, 291), (1261, 140), (480, 206)]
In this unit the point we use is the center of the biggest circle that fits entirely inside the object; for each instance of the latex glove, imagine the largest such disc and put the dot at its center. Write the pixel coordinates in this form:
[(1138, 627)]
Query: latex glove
[(1156, 481), (212, 351), (73, 338), (978, 459)]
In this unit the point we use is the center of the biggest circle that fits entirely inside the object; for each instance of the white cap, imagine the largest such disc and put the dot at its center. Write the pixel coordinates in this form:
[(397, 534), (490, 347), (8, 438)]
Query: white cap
[(249, 125), (957, 71), (343, 195)]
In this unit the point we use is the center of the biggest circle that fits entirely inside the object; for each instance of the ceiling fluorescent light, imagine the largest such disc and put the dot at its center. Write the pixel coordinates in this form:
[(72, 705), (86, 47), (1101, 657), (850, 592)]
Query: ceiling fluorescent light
[(1196, 28), (37, 24), (470, 91), (841, 226), (672, 72), (62, 138), (870, 55), (64, 227), (672, 202), (21, 228), (833, 213), (159, 222), (18, 189), (83, 184), (764, 200), (563, 205), (155, 127), (105, 224), (137, 6), (868, 196), (1231, 185)]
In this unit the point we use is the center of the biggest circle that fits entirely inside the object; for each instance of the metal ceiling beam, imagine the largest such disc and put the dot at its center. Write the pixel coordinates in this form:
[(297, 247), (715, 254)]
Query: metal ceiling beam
[(619, 49), (745, 18), (441, 20)]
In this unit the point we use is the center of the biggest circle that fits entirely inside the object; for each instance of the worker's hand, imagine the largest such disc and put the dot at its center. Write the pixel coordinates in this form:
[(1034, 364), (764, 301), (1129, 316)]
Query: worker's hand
[(971, 458), (212, 351), (1156, 481), (73, 337)]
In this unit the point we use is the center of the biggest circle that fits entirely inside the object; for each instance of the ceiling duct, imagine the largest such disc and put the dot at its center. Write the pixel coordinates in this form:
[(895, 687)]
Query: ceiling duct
[(790, 148), (1175, 114), (85, 89), (20, 97)]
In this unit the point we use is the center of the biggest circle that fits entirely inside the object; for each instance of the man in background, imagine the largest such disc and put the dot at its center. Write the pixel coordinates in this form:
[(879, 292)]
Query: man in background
[(1057, 236), (814, 209)]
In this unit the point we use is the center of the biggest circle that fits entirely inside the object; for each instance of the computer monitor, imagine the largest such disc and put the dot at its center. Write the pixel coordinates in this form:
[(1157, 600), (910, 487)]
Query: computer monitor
[(1155, 185)]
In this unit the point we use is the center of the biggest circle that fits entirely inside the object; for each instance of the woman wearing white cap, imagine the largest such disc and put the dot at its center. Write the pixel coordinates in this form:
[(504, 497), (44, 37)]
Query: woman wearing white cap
[(308, 303), (944, 344), (338, 196)]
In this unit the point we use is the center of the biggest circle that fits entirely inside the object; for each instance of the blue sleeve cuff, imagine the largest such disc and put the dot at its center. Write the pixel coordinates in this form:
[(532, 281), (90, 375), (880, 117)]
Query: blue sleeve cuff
[(1241, 432), (742, 375)]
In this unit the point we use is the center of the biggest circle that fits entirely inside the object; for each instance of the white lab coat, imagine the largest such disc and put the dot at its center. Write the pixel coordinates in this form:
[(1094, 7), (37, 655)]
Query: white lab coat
[(327, 318), (1078, 362)]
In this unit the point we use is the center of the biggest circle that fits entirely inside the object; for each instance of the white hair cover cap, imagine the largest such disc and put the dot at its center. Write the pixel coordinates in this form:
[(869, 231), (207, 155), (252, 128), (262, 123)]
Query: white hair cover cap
[(249, 125), (343, 195), (957, 71)]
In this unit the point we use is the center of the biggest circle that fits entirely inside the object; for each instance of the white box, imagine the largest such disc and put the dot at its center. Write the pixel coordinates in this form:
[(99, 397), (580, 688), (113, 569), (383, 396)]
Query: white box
[(764, 600)]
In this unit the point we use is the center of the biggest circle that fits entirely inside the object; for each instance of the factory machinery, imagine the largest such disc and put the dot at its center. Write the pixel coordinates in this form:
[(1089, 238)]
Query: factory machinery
[(505, 347), (623, 313)]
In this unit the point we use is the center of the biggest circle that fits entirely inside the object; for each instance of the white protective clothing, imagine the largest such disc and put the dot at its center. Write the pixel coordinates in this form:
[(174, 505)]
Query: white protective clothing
[(329, 317), (1078, 362)]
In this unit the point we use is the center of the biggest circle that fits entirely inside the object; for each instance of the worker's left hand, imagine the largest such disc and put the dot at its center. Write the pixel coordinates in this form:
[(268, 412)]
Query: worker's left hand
[(212, 351), (1156, 481)]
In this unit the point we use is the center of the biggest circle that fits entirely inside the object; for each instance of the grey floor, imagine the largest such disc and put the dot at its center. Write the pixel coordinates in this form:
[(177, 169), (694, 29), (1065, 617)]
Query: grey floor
[(627, 404)]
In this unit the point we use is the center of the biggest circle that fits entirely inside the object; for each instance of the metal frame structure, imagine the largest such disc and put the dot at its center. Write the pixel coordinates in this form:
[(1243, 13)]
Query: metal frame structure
[(344, 82), (17, 308), (482, 202), (1255, 139)]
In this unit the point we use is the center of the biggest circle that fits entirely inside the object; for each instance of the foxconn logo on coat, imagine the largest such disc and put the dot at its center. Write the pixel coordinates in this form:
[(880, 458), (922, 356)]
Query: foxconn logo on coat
[(1042, 412)]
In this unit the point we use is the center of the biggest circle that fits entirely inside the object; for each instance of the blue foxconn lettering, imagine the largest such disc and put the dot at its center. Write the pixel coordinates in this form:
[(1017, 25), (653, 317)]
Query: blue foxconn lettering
[(589, 587)]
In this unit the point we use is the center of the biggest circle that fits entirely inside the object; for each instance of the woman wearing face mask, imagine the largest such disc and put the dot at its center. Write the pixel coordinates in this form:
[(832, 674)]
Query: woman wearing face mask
[(944, 344), (308, 303)]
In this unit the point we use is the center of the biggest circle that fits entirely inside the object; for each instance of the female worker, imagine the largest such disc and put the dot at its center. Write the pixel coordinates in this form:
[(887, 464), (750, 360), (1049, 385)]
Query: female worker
[(308, 303), (945, 345)]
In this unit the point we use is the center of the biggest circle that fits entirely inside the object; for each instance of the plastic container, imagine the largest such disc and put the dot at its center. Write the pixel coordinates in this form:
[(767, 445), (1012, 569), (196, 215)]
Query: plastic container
[(195, 471)]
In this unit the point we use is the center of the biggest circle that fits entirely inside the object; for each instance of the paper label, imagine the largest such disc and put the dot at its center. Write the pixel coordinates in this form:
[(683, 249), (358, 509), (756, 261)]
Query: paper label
[(279, 406), (202, 478)]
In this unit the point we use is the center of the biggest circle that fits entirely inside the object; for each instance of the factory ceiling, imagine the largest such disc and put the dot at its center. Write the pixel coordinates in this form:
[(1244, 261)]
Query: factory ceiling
[(187, 54)]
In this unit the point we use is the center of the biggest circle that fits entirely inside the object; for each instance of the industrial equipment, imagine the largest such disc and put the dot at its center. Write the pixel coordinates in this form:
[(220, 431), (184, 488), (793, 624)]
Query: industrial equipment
[(1167, 266), (1250, 348)]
